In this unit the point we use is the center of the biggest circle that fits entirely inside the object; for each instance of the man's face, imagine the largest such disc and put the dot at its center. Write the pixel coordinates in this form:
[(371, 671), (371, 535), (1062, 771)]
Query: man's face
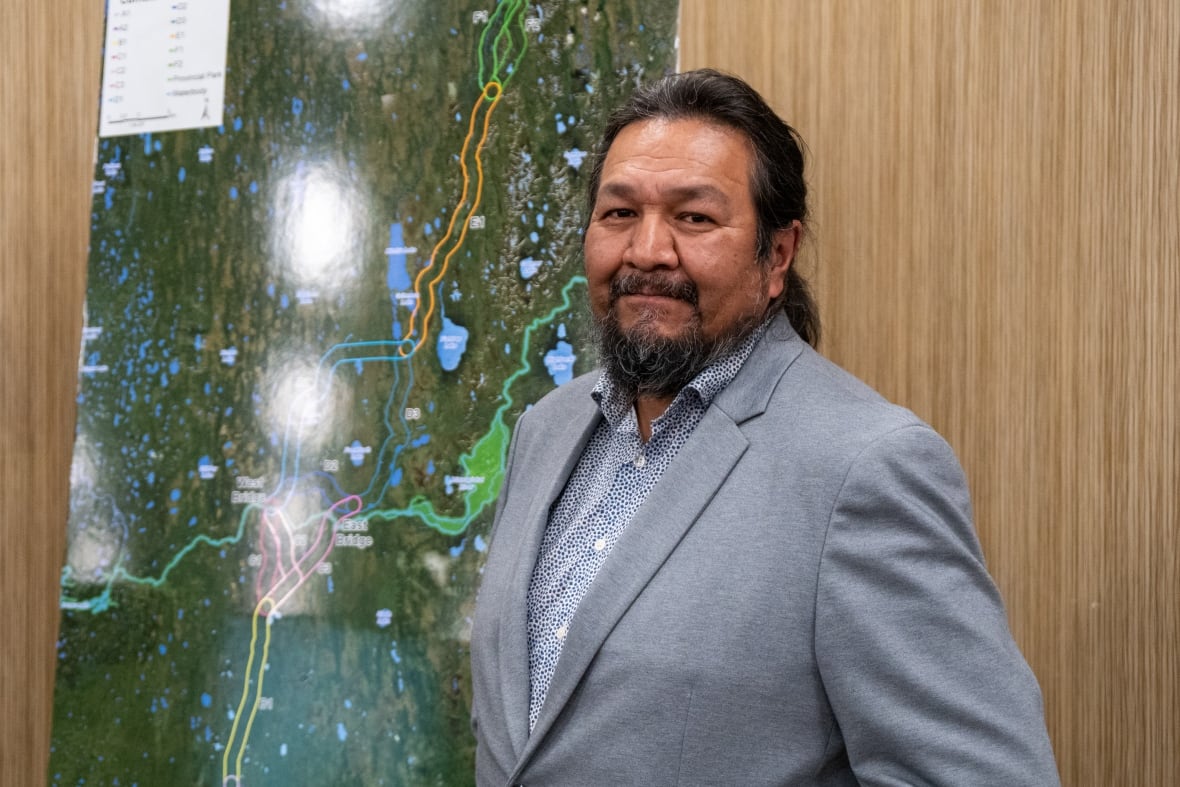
[(671, 246)]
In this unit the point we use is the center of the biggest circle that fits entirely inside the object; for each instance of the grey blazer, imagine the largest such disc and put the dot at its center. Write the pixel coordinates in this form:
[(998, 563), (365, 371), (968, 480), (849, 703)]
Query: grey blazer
[(801, 600)]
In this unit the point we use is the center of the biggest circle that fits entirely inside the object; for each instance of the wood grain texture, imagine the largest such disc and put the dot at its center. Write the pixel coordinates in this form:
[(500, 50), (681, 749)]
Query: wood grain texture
[(997, 201), (49, 63)]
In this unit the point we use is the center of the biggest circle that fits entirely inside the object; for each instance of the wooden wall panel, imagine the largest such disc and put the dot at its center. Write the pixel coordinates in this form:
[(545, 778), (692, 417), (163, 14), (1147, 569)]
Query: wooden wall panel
[(49, 63), (997, 191)]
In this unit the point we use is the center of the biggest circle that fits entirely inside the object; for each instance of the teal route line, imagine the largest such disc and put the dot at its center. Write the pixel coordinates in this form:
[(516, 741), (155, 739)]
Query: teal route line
[(486, 456)]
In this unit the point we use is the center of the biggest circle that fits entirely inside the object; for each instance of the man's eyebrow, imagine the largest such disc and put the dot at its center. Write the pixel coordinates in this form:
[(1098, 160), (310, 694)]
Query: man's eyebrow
[(679, 193)]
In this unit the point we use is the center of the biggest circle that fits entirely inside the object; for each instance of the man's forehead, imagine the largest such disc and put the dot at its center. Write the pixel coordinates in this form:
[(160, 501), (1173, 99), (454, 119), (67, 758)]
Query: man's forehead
[(686, 157)]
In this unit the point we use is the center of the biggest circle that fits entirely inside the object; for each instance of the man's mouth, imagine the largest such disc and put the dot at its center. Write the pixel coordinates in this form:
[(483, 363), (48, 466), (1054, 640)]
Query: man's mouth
[(646, 285)]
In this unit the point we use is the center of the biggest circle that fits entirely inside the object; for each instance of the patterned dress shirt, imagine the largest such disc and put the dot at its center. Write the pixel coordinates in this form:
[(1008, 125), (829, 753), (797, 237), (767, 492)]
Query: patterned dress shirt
[(616, 472)]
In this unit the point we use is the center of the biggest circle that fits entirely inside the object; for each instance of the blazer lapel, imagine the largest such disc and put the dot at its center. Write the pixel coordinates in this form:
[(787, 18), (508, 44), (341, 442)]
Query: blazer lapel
[(675, 503), (561, 448)]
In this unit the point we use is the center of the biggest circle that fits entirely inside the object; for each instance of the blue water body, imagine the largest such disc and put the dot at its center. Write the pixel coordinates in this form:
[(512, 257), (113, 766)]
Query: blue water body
[(480, 544), (341, 733), (452, 343), (397, 278), (174, 366), (237, 124), (233, 192), (345, 84), (175, 495), (357, 457), (574, 157), (560, 363), (362, 57), (529, 267), (421, 441), (180, 174), (296, 106), (395, 477), (561, 330), (206, 700), (430, 467)]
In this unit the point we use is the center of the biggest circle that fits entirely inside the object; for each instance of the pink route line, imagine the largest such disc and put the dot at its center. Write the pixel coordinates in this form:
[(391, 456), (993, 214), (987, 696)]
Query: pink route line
[(270, 529), (308, 554)]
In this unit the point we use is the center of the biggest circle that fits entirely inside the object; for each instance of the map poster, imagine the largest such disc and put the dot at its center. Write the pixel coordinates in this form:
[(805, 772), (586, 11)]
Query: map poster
[(309, 331)]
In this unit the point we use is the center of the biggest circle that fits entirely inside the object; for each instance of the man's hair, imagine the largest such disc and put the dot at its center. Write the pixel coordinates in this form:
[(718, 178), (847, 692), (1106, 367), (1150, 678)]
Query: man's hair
[(777, 185)]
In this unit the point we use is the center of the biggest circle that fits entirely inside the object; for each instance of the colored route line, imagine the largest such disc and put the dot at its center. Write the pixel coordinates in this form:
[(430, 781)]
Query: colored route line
[(286, 577), (486, 458), (513, 14), (493, 91), (505, 53)]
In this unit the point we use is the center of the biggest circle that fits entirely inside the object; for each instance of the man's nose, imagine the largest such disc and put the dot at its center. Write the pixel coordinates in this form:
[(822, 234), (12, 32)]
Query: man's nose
[(653, 244)]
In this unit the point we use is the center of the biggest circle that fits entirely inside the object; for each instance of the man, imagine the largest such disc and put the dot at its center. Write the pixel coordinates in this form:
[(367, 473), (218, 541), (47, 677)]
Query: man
[(722, 560)]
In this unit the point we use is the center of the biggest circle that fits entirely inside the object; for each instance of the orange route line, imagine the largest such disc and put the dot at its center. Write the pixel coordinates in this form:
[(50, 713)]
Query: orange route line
[(494, 91)]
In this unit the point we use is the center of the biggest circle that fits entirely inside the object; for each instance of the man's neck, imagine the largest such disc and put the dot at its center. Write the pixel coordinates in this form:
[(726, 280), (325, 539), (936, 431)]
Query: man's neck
[(648, 409)]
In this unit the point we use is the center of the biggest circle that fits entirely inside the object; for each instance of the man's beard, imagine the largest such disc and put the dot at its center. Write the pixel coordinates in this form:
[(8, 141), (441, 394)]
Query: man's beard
[(641, 360)]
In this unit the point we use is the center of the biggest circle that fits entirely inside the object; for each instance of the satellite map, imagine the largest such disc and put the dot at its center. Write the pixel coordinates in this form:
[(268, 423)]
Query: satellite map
[(308, 334)]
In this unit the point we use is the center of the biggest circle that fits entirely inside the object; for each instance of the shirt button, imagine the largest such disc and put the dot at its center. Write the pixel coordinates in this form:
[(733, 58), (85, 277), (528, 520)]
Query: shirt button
[(600, 545), (640, 461), (562, 631)]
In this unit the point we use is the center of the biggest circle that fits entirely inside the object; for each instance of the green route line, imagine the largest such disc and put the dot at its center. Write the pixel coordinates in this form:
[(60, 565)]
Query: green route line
[(486, 458), (512, 11)]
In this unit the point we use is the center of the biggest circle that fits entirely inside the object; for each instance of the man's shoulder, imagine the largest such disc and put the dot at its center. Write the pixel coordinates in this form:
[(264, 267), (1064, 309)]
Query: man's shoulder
[(816, 398), (836, 396)]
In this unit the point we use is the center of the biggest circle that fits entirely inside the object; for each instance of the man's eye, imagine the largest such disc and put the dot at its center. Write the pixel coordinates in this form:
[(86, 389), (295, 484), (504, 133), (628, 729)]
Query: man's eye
[(697, 218), (618, 213)]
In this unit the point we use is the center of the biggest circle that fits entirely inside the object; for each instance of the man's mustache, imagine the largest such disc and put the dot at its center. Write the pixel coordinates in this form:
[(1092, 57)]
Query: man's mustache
[(637, 283)]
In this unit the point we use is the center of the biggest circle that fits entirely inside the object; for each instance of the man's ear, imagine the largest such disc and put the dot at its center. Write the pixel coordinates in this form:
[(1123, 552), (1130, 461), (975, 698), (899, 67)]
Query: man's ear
[(784, 243)]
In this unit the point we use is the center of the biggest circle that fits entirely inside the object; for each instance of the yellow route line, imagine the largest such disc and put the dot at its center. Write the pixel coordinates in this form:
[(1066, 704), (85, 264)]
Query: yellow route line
[(233, 730), (257, 699), (493, 90)]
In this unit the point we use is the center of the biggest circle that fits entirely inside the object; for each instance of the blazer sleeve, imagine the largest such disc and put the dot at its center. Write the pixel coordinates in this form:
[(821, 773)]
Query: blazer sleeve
[(912, 642)]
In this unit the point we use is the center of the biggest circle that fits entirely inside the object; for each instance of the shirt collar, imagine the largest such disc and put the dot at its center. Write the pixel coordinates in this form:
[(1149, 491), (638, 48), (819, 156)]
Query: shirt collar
[(616, 405)]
